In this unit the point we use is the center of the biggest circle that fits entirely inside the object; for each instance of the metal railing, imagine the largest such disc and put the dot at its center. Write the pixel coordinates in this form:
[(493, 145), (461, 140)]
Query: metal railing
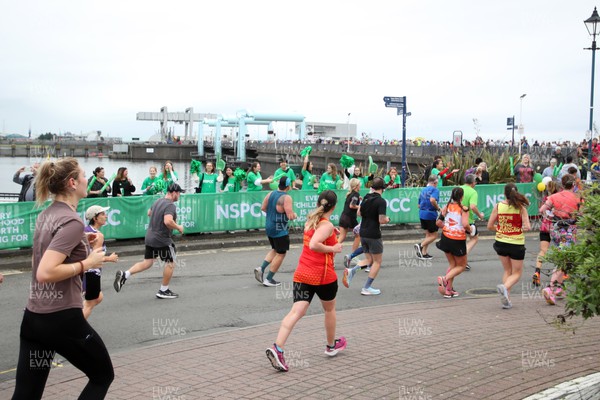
[(9, 197)]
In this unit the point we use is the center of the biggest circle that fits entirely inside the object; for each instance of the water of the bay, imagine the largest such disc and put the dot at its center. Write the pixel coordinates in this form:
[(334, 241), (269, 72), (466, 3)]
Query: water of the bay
[(138, 170)]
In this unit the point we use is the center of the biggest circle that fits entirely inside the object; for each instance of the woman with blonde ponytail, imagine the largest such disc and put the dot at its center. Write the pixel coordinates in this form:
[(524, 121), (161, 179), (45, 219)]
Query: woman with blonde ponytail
[(348, 218), (314, 275), (53, 320)]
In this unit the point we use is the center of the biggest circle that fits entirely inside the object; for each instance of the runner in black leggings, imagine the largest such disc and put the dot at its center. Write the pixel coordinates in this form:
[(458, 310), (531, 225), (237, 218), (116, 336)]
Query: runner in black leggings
[(53, 321)]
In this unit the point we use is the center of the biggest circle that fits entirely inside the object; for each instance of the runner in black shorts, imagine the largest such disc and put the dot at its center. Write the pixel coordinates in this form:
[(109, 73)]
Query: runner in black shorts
[(278, 206), (315, 274), (510, 220), (428, 210), (159, 242), (348, 218)]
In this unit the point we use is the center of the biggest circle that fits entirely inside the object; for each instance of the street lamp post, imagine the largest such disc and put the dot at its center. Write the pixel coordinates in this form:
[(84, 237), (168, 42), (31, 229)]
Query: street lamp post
[(521, 127), (348, 132), (592, 26)]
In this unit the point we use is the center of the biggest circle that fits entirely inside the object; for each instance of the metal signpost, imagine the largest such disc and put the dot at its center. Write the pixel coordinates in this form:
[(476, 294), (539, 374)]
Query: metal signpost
[(399, 103)]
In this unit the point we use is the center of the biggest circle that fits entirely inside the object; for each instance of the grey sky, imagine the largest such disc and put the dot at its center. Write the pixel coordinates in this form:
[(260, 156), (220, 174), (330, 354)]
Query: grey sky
[(91, 65)]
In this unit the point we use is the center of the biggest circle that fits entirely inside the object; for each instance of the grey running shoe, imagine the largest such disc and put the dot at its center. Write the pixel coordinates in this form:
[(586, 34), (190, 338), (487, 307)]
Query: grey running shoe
[(167, 294), (419, 250), (119, 280), (258, 274), (503, 295), (347, 260), (271, 282)]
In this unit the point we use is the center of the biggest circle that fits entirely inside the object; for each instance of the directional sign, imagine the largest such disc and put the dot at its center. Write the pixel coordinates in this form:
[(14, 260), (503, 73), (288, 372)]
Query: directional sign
[(389, 99), (394, 105)]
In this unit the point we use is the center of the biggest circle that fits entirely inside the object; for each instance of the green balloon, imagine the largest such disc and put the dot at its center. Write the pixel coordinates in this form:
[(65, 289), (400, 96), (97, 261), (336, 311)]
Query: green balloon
[(537, 177)]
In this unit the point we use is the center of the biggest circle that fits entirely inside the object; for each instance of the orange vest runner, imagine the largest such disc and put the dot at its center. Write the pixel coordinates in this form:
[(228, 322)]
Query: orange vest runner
[(453, 227), (316, 268)]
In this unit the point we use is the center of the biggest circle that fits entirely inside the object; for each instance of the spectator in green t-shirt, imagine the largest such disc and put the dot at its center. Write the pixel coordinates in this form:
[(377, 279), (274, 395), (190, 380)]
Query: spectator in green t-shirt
[(284, 169), (254, 179), (441, 172), (470, 200), (169, 176), (149, 186), (308, 179), (357, 174), (208, 179), (230, 183), (330, 180), (392, 179)]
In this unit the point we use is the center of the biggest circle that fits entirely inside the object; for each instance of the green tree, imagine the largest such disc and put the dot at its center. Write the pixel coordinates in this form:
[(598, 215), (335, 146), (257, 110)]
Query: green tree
[(581, 261), (46, 136)]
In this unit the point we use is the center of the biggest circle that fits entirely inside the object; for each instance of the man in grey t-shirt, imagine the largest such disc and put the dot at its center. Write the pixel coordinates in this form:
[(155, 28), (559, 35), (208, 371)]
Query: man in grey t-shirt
[(159, 242)]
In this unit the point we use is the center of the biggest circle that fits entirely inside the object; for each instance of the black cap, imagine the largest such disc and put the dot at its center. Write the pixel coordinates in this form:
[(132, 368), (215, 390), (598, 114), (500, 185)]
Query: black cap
[(284, 182), (174, 187)]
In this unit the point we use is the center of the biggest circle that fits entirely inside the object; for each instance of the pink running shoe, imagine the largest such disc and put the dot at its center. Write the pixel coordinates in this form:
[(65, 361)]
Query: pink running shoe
[(338, 345), (277, 359), (559, 293), (549, 296), (442, 283)]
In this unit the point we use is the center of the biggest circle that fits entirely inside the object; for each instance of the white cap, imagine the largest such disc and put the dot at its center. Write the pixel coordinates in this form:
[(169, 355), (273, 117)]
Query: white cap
[(93, 211)]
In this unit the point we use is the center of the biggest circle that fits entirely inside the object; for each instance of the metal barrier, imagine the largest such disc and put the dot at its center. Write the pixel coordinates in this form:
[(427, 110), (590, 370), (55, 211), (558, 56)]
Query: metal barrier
[(9, 197)]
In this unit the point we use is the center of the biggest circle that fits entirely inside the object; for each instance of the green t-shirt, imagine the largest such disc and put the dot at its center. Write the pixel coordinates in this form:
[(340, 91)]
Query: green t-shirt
[(279, 173), (363, 180), (436, 172), (469, 199), (397, 180), (328, 183), (209, 183), (251, 181), (150, 184), (232, 185), (308, 180), (168, 180)]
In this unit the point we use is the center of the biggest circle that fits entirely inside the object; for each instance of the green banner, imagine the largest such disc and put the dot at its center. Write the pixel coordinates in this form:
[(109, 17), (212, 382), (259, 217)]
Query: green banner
[(128, 216)]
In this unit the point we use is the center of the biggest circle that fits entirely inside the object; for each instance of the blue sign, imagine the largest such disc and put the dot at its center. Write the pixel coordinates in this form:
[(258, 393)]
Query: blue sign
[(389, 99), (395, 105)]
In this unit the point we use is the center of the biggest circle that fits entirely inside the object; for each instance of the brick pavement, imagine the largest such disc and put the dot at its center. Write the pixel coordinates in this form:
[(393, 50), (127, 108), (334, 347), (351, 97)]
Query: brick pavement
[(450, 349)]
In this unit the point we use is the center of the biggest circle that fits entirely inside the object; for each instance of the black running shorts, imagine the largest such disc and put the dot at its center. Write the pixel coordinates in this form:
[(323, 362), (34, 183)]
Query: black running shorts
[(164, 253), (513, 251), (280, 244), (91, 285), (429, 225), (348, 222), (457, 248), (306, 292)]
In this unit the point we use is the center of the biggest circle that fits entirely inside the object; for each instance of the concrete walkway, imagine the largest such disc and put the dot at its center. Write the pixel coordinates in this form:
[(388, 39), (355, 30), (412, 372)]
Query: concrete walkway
[(443, 349)]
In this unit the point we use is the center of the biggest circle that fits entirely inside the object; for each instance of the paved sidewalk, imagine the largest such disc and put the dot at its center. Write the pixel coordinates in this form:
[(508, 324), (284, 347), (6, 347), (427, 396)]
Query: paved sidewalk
[(446, 349)]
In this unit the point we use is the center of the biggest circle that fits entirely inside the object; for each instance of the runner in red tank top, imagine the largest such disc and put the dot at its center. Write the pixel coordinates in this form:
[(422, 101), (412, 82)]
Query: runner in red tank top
[(314, 275)]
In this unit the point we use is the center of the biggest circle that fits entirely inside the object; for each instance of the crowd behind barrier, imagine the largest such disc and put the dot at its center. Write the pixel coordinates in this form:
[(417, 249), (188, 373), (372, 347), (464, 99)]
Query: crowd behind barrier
[(127, 217)]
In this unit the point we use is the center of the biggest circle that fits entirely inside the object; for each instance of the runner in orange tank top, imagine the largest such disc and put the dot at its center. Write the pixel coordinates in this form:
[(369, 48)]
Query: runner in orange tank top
[(453, 241), (314, 275)]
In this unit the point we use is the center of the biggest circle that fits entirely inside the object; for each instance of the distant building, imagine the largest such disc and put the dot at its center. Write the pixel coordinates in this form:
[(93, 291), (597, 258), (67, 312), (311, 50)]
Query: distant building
[(328, 130)]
